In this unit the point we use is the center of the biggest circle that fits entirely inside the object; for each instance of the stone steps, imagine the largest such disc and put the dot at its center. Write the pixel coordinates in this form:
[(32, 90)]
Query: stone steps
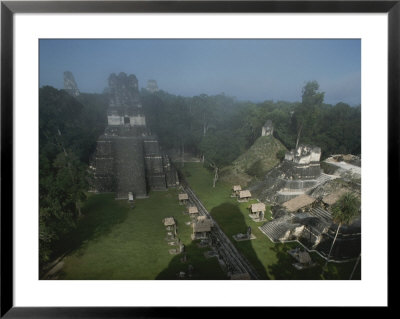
[(323, 178), (277, 229), (321, 213)]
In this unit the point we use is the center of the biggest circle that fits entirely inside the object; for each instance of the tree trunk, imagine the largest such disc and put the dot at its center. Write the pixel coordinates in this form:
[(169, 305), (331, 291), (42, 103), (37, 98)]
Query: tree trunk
[(183, 154), (78, 207), (215, 176), (204, 125), (298, 136), (333, 243), (355, 266)]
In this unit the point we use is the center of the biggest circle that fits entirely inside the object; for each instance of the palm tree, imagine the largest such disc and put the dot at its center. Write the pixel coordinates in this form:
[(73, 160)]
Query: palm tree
[(355, 266), (343, 212)]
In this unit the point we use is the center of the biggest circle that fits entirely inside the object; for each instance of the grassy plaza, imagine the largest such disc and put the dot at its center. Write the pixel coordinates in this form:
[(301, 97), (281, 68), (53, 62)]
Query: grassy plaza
[(114, 241)]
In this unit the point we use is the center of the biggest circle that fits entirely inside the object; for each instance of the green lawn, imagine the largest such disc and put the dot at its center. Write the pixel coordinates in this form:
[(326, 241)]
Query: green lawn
[(270, 260), (114, 241)]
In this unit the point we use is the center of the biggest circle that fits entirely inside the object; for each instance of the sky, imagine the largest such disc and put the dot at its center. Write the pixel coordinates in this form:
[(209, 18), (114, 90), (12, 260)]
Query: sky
[(254, 70)]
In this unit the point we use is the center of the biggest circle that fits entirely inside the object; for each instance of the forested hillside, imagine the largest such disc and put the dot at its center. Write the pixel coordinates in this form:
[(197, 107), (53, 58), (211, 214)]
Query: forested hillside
[(68, 129)]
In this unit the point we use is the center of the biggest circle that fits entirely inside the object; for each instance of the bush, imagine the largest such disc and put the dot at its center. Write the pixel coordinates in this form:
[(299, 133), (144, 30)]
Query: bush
[(280, 155), (256, 169)]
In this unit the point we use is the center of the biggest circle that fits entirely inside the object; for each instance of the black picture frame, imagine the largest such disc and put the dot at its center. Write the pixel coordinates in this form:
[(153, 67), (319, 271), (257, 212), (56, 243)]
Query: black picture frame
[(9, 8)]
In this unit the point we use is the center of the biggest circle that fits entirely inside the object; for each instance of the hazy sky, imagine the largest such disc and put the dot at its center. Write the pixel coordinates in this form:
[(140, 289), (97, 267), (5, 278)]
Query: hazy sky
[(254, 70)]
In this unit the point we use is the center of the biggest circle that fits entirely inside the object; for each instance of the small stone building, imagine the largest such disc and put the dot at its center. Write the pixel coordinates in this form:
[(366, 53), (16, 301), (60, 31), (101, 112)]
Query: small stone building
[(244, 196), (183, 198), (236, 189), (193, 211), (201, 228), (169, 221), (257, 211)]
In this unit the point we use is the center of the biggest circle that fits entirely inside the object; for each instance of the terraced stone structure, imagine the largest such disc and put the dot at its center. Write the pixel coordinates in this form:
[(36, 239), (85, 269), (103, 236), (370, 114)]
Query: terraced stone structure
[(316, 230), (128, 158), (299, 173)]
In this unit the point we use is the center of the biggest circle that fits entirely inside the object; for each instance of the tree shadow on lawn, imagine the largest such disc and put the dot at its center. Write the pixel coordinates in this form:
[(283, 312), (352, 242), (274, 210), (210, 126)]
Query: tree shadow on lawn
[(203, 268), (231, 221), (284, 269), (100, 213)]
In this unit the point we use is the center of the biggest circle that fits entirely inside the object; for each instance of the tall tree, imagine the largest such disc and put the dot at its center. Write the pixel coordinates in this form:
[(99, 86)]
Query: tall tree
[(343, 212), (307, 112)]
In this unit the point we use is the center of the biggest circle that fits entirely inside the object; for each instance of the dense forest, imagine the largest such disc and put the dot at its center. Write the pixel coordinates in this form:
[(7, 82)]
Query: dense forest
[(220, 128), (68, 129)]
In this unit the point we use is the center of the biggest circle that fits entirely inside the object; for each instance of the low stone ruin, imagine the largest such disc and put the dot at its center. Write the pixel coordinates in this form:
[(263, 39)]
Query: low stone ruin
[(244, 236)]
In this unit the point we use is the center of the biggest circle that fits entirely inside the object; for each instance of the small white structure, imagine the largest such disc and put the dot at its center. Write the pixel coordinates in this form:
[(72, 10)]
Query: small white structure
[(267, 129), (304, 154), (116, 119), (130, 197)]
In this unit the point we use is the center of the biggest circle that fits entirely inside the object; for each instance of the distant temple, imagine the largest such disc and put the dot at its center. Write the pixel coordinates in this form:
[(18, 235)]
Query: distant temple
[(128, 158), (267, 129), (152, 86), (70, 85)]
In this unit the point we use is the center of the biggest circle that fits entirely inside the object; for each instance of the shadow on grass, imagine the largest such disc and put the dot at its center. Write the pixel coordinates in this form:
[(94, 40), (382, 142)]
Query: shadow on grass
[(231, 221), (100, 213), (284, 269), (202, 268)]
